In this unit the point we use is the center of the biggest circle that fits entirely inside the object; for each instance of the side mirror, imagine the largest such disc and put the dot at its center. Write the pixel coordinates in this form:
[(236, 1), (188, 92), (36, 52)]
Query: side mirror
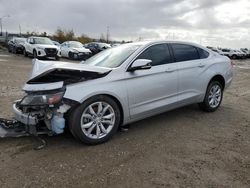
[(140, 64)]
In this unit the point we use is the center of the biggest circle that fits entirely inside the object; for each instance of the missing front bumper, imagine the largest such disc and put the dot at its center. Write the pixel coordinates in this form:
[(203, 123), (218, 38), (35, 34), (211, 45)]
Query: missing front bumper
[(24, 118)]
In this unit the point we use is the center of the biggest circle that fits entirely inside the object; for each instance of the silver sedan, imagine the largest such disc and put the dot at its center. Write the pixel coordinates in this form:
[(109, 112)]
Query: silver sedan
[(122, 85)]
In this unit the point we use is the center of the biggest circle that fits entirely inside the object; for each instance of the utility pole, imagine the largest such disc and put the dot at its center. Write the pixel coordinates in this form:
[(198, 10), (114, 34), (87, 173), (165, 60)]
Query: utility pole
[(20, 30), (1, 24), (107, 34)]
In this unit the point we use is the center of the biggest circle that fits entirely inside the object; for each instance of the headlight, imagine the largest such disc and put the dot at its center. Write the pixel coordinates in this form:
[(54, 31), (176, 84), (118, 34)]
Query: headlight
[(40, 48), (39, 100)]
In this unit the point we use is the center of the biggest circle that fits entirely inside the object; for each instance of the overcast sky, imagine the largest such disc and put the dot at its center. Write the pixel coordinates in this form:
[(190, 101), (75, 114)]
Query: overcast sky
[(223, 23)]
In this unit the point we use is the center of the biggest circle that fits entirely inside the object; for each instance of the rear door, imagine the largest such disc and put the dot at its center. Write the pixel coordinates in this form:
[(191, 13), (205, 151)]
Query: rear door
[(192, 64), (151, 91)]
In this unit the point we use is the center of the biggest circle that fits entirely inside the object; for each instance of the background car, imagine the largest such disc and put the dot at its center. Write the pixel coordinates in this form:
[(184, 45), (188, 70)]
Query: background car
[(56, 43), (41, 47), (97, 47), (216, 50), (239, 54), (16, 45), (75, 50), (233, 54), (246, 51)]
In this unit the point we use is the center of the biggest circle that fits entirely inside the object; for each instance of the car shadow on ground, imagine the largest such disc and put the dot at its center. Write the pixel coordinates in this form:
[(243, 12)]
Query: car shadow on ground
[(66, 140)]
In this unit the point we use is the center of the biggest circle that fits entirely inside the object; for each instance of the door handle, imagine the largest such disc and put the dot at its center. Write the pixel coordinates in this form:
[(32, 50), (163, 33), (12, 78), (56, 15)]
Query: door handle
[(201, 65), (170, 70)]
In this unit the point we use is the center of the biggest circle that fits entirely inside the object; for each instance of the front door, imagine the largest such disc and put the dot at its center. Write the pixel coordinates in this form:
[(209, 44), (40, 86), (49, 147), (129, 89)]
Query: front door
[(151, 91)]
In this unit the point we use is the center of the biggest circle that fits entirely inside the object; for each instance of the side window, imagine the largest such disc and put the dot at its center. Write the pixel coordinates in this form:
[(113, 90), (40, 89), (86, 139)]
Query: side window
[(159, 54), (203, 53), (184, 52)]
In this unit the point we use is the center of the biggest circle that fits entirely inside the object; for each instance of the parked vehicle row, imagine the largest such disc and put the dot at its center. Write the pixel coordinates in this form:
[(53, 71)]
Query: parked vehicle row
[(16, 45), (43, 47), (232, 53)]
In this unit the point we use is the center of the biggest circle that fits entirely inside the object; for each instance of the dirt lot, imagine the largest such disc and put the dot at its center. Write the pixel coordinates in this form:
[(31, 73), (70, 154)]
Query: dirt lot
[(181, 148)]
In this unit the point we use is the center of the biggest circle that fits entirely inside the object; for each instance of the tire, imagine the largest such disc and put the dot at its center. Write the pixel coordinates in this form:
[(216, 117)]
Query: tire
[(71, 55), (14, 50), (25, 53), (100, 129), (234, 57), (213, 97), (34, 54)]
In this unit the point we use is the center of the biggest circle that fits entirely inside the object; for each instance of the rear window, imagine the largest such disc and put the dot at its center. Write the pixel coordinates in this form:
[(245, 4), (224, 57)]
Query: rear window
[(203, 53), (184, 52)]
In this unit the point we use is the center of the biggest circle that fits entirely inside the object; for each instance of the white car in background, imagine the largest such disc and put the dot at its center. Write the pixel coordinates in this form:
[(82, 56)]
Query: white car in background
[(41, 47), (75, 50), (216, 50), (233, 54), (246, 51)]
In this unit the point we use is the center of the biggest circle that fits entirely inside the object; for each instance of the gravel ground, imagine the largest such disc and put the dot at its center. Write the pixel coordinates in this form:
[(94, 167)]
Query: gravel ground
[(181, 148)]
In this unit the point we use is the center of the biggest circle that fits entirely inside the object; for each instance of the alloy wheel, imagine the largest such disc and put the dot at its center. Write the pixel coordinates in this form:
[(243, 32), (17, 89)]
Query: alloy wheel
[(97, 120), (214, 97)]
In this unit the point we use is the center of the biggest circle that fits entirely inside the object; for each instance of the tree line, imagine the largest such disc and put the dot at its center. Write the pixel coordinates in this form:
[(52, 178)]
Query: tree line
[(62, 35)]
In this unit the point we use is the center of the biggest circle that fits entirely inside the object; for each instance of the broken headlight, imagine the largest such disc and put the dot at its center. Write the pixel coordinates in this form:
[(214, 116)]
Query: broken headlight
[(39, 100)]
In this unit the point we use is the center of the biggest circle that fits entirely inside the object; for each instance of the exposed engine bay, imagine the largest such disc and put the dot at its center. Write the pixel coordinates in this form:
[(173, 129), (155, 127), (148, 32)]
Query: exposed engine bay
[(43, 110)]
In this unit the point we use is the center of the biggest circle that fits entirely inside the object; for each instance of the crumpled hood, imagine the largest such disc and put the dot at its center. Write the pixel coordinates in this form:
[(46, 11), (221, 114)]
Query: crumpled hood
[(83, 50), (48, 75), (40, 67)]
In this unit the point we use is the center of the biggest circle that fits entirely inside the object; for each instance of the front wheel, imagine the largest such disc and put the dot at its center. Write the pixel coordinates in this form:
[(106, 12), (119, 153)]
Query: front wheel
[(34, 54), (14, 50), (25, 53), (71, 55), (213, 97), (96, 120)]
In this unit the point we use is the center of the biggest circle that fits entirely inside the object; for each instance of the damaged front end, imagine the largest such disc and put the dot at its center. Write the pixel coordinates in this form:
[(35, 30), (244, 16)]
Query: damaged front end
[(43, 109)]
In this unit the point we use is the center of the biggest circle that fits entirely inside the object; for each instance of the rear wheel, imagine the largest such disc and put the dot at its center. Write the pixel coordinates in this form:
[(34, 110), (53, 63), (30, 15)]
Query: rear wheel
[(213, 97), (234, 57), (96, 120)]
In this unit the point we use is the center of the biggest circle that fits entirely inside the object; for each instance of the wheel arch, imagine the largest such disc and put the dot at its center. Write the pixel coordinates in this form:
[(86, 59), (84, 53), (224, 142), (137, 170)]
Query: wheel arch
[(218, 78)]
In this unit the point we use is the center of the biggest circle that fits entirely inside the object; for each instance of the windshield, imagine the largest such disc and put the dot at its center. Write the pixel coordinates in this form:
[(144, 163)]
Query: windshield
[(20, 40), (43, 41), (75, 45), (112, 57)]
